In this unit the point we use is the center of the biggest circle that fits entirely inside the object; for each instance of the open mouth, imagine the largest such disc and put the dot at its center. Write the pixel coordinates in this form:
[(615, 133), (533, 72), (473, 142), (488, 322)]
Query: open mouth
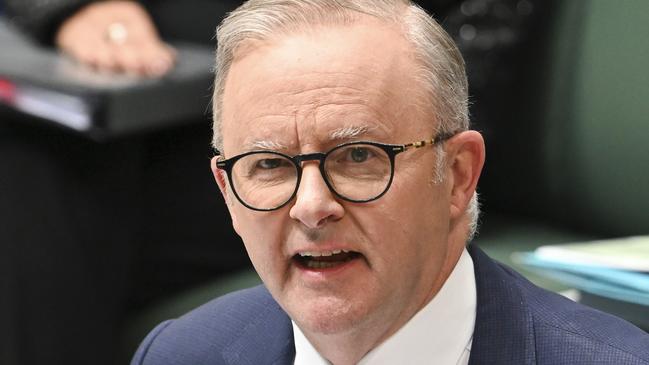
[(324, 260)]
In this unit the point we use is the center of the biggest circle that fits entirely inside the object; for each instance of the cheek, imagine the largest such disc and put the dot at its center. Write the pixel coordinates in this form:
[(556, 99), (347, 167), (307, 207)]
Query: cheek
[(261, 233), (416, 206), (408, 228)]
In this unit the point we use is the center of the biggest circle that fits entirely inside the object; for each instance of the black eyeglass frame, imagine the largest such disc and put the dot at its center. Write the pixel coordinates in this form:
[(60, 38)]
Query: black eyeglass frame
[(392, 150)]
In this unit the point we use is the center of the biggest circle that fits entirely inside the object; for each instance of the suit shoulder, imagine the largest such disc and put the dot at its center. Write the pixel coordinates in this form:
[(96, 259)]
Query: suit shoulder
[(582, 335), (202, 335), (232, 306)]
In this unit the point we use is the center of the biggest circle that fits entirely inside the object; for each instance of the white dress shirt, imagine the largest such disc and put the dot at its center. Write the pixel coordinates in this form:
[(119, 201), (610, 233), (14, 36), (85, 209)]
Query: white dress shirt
[(440, 333)]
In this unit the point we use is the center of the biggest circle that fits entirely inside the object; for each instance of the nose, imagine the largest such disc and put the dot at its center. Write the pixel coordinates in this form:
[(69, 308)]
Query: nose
[(315, 205)]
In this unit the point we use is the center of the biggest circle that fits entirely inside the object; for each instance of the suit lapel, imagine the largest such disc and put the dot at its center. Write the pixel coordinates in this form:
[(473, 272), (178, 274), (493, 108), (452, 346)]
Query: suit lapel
[(266, 338), (504, 332)]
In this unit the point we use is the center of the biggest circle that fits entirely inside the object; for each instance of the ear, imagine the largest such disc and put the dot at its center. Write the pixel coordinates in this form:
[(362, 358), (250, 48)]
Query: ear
[(220, 176), (465, 157)]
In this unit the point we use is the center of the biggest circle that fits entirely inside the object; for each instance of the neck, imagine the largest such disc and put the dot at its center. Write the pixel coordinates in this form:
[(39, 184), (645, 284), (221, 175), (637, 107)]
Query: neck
[(344, 349)]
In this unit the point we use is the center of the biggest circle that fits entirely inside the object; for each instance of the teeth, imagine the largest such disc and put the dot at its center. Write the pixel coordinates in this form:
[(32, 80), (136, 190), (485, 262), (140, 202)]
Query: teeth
[(322, 253)]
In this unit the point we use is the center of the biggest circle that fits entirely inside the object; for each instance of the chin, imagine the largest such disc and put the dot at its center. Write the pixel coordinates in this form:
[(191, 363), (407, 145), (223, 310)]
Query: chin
[(327, 316)]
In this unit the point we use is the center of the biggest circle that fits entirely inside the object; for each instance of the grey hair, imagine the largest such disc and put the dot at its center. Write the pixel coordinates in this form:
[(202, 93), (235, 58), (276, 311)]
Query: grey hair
[(441, 66)]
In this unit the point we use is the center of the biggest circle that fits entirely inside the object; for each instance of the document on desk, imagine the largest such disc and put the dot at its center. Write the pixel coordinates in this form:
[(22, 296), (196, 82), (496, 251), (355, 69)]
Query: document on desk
[(38, 81), (629, 253), (617, 268)]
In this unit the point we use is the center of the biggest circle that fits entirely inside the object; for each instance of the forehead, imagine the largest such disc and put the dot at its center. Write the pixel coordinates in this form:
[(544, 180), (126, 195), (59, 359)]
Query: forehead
[(309, 86)]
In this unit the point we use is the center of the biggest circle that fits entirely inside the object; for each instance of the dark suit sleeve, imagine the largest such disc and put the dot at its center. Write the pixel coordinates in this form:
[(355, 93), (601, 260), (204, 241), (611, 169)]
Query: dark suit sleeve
[(141, 353), (41, 18)]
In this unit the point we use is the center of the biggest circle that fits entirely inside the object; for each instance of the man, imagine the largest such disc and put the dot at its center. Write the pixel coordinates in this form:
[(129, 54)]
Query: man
[(349, 171)]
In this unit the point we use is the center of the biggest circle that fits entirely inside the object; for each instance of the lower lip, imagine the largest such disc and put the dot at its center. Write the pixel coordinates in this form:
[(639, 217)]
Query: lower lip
[(329, 272)]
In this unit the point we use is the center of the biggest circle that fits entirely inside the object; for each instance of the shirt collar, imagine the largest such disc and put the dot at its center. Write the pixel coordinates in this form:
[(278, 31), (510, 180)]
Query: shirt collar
[(442, 330)]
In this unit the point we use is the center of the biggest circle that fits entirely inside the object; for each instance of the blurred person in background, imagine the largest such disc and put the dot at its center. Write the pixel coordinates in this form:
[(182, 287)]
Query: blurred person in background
[(92, 232)]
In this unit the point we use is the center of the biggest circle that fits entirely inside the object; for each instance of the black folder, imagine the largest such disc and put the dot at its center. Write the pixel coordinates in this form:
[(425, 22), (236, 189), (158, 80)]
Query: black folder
[(39, 81)]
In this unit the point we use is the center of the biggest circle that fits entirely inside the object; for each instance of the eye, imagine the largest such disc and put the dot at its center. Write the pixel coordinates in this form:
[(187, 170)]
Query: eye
[(270, 163), (360, 154)]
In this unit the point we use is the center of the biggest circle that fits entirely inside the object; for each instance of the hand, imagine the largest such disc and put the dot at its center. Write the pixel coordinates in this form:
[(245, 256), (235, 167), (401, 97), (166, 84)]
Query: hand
[(116, 36)]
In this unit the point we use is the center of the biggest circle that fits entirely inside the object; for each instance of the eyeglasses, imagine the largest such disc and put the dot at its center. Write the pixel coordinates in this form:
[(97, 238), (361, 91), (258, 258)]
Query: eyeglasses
[(358, 172)]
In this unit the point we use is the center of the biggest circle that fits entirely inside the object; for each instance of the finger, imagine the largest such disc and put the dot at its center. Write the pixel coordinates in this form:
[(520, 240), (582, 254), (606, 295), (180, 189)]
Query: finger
[(105, 60), (158, 58), (158, 67), (84, 56), (87, 49), (128, 60), (172, 52)]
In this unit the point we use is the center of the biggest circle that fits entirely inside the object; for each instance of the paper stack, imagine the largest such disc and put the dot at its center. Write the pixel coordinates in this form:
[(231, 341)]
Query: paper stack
[(612, 275)]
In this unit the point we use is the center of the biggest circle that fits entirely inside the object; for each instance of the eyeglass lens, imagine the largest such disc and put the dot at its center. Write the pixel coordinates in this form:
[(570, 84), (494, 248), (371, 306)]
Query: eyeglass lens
[(267, 180)]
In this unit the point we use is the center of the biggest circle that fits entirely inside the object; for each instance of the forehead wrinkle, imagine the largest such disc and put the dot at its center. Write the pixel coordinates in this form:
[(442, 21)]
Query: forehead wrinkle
[(314, 96), (313, 85)]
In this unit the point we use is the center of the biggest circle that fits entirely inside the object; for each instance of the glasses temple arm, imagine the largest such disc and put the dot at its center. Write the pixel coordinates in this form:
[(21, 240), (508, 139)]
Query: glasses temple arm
[(440, 138)]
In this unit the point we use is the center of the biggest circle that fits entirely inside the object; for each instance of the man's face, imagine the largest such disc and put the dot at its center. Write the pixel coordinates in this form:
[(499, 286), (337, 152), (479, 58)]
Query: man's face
[(309, 92)]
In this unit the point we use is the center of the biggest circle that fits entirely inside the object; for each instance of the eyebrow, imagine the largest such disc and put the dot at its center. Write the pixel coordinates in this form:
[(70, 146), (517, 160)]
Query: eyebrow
[(349, 132), (264, 145), (339, 134)]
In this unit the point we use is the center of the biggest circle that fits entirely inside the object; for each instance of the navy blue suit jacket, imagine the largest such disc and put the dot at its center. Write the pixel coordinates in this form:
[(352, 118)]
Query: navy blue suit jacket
[(516, 323)]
